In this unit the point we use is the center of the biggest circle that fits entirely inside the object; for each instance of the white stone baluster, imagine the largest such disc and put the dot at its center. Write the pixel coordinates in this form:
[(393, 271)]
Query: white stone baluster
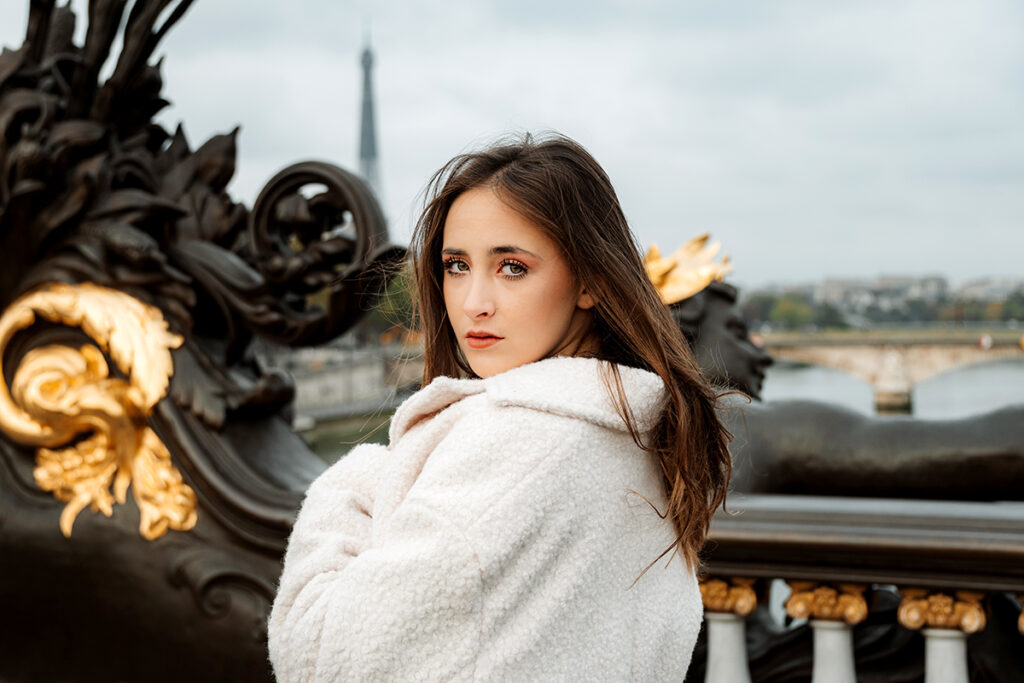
[(833, 652), (949, 620), (727, 648), (725, 609), (833, 612), (945, 656)]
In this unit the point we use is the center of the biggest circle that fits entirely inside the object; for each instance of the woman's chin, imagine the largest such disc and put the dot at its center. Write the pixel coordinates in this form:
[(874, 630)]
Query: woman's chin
[(483, 371), (486, 365)]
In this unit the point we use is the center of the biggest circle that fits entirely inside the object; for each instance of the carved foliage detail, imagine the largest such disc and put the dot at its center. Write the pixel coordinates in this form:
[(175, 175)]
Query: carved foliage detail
[(810, 600), (961, 611), (719, 596), (90, 427)]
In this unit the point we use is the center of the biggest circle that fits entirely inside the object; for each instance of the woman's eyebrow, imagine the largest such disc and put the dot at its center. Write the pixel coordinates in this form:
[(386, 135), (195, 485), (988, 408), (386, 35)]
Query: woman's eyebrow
[(503, 249), (511, 249)]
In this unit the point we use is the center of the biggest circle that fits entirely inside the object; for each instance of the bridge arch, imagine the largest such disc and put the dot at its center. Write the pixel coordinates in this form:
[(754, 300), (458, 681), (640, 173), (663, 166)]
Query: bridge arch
[(893, 365)]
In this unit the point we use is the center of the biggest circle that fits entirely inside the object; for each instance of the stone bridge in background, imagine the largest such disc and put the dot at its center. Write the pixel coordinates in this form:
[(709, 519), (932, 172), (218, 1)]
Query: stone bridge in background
[(894, 361)]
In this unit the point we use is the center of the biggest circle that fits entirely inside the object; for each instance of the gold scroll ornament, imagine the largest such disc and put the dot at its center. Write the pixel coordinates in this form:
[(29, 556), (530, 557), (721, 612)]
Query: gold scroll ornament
[(844, 602), (90, 428), (735, 596), (962, 610)]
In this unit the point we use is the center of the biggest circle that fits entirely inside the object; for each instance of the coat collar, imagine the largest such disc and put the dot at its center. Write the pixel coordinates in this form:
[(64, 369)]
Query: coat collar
[(571, 387)]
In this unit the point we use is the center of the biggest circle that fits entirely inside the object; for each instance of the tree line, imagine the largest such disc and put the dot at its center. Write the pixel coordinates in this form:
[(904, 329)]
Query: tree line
[(793, 310)]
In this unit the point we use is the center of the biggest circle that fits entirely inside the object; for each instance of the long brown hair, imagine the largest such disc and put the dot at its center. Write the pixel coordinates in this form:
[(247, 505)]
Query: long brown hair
[(558, 185)]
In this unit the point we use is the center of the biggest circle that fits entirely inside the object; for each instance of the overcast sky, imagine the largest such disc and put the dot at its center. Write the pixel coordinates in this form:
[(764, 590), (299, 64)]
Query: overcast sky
[(814, 139)]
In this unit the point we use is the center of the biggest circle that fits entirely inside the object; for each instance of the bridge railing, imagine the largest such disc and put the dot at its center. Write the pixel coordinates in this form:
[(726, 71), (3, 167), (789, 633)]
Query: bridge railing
[(945, 562)]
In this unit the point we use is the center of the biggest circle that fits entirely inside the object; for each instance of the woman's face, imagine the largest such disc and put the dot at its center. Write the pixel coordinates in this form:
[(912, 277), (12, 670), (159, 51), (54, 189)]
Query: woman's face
[(508, 290)]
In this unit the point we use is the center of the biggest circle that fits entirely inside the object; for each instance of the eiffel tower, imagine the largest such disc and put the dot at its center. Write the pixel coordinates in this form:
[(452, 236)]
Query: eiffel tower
[(368, 129)]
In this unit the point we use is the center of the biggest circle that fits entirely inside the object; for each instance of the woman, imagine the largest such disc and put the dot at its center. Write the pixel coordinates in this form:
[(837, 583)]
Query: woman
[(523, 522)]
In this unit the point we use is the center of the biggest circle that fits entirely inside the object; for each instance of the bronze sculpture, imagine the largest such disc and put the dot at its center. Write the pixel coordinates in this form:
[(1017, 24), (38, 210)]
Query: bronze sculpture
[(131, 288)]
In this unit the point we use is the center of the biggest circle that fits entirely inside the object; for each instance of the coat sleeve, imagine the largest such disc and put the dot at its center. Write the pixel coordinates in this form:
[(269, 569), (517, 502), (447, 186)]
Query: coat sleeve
[(408, 607), (333, 527)]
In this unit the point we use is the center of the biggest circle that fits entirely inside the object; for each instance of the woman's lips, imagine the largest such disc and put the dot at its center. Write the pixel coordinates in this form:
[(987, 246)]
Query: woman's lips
[(481, 340)]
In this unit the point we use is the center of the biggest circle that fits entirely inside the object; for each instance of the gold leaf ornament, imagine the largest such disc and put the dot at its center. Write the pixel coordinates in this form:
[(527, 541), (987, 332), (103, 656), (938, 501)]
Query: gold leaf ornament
[(1020, 598), (842, 602), (687, 271), (962, 610), (90, 428), (736, 596)]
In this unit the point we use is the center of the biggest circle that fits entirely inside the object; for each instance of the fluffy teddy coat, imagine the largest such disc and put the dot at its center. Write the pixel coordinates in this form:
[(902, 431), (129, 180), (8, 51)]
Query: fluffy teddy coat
[(499, 537)]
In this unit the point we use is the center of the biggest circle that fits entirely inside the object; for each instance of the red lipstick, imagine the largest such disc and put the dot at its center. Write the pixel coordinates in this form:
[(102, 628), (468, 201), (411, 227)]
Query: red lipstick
[(479, 339)]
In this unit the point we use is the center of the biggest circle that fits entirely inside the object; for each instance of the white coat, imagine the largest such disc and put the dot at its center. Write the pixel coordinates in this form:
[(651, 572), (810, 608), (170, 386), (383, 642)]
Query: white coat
[(498, 538)]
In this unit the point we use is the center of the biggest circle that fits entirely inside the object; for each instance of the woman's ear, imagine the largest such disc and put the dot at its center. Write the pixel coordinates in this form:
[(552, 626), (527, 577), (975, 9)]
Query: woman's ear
[(585, 300)]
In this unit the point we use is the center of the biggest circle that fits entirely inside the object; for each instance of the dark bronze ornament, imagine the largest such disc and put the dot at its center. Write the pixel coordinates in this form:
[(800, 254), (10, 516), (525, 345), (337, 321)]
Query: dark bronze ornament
[(99, 204)]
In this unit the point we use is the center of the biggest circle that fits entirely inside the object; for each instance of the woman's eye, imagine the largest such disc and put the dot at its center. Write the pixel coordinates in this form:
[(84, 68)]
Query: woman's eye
[(513, 269), (456, 266)]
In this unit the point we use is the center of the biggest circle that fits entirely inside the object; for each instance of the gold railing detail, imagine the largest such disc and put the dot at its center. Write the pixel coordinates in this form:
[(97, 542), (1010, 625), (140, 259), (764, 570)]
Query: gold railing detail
[(812, 600), (738, 598), (1020, 619), (921, 607), (90, 428)]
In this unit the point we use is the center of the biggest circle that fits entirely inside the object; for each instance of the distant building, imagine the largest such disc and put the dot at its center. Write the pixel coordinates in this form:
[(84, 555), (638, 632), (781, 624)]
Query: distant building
[(989, 289), (887, 292), (844, 294), (932, 288), (852, 296)]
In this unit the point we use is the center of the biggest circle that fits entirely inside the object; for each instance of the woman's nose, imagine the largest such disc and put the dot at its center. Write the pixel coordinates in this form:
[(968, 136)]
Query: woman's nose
[(479, 301)]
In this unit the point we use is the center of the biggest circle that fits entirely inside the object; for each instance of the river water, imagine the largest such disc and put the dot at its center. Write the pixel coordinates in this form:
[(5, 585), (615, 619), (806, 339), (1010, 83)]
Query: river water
[(961, 392)]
